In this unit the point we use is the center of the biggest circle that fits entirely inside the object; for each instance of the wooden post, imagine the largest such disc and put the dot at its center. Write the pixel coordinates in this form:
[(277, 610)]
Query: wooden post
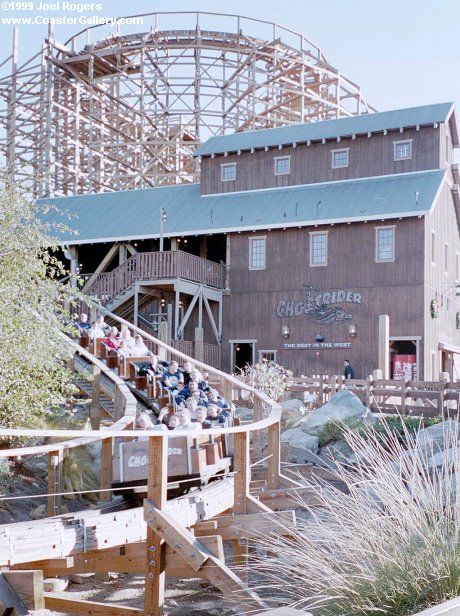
[(368, 392), (106, 469), (157, 479), (55, 460), (241, 466), (118, 403), (403, 397), (95, 412), (274, 462), (384, 345)]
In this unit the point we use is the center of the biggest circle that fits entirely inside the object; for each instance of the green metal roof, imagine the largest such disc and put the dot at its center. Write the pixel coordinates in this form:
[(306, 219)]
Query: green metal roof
[(135, 214), (329, 129)]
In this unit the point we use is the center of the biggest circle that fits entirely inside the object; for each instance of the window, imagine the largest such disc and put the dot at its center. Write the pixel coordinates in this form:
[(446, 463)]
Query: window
[(267, 356), (339, 158), (282, 165), (457, 264), (384, 244), (257, 253), (228, 172), (402, 149), (446, 257), (318, 248), (433, 246)]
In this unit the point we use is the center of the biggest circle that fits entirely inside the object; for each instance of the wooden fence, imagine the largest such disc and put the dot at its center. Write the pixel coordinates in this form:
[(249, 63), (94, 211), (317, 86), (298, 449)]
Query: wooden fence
[(418, 398)]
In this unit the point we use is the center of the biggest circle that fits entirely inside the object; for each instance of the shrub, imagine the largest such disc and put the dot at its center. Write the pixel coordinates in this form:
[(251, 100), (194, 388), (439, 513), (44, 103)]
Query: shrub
[(399, 425), (33, 376), (388, 544), (268, 377)]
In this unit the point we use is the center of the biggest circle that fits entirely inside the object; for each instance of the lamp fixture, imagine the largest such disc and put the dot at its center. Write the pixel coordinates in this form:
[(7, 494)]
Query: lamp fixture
[(352, 330), (285, 331)]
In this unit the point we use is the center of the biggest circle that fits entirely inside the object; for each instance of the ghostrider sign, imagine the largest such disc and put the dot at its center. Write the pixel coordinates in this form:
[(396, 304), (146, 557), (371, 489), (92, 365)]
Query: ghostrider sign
[(325, 307)]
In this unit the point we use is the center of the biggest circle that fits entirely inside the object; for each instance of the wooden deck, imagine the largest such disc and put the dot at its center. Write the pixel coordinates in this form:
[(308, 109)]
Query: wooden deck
[(154, 266)]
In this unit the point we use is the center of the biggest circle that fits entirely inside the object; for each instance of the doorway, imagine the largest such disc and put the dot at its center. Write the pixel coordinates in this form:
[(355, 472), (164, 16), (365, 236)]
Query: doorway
[(242, 353), (404, 358)]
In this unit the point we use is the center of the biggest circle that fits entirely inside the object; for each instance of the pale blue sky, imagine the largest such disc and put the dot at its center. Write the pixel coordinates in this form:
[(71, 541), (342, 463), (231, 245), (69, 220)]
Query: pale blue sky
[(401, 52)]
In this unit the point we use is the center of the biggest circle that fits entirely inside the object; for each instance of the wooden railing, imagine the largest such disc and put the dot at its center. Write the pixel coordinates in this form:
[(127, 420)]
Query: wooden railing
[(212, 355), (163, 541), (155, 266), (184, 346), (421, 398)]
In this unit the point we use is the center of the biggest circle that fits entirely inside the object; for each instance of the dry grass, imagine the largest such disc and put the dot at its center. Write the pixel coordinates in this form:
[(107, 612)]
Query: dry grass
[(389, 545)]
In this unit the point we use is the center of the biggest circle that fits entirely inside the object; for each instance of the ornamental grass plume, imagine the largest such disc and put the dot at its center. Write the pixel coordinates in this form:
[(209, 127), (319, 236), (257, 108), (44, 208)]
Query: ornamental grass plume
[(385, 540)]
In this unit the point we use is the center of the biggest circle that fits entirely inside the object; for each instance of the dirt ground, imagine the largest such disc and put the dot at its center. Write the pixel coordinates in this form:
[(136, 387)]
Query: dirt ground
[(192, 597)]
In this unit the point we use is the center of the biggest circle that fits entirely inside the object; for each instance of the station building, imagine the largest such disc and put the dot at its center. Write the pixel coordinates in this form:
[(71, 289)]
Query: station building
[(293, 246)]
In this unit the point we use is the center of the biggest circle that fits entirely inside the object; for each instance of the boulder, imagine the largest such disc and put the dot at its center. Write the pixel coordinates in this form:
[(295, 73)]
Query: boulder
[(436, 438), (298, 447), (38, 512), (293, 413), (344, 405), (338, 451)]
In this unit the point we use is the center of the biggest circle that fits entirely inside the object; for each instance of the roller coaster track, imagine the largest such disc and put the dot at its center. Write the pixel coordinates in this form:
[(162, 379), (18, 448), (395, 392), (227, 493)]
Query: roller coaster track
[(183, 536)]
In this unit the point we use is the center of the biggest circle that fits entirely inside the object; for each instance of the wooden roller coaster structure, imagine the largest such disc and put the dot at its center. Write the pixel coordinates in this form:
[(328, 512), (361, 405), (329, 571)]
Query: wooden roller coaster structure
[(183, 536)]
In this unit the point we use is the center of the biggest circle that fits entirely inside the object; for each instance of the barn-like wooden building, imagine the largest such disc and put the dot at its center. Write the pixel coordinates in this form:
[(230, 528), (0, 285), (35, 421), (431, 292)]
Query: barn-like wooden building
[(293, 245)]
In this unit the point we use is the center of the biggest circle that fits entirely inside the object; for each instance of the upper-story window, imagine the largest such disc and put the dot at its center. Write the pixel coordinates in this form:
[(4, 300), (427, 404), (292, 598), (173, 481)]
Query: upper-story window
[(433, 246), (228, 172), (384, 244), (282, 165), (318, 248), (402, 149), (340, 158), (446, 257), (257, 253)]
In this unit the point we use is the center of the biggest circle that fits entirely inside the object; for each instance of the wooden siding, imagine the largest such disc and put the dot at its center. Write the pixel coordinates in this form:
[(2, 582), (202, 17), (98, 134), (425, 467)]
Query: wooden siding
[(395, 288), (440, 283), (309, 164)]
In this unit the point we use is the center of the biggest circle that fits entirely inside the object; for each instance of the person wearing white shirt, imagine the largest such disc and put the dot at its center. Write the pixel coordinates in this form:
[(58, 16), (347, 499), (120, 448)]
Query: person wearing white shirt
[(96, 331), (128, 340), (139, 349)]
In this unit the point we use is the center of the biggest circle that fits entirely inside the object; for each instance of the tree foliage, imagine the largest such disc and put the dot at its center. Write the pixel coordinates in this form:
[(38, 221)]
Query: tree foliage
[(33, 376)]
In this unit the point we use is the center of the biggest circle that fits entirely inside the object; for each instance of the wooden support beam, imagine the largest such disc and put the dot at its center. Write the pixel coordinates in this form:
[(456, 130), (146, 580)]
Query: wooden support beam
[(249, 526), (106, 469), (89, 608), (241, 466), (274, 461), (94, 412), (242, 469), (9, 599), (28, 586), (157, 479), (129, 558), (102, 265), (280, 500), (184, 543), (55, 460)]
